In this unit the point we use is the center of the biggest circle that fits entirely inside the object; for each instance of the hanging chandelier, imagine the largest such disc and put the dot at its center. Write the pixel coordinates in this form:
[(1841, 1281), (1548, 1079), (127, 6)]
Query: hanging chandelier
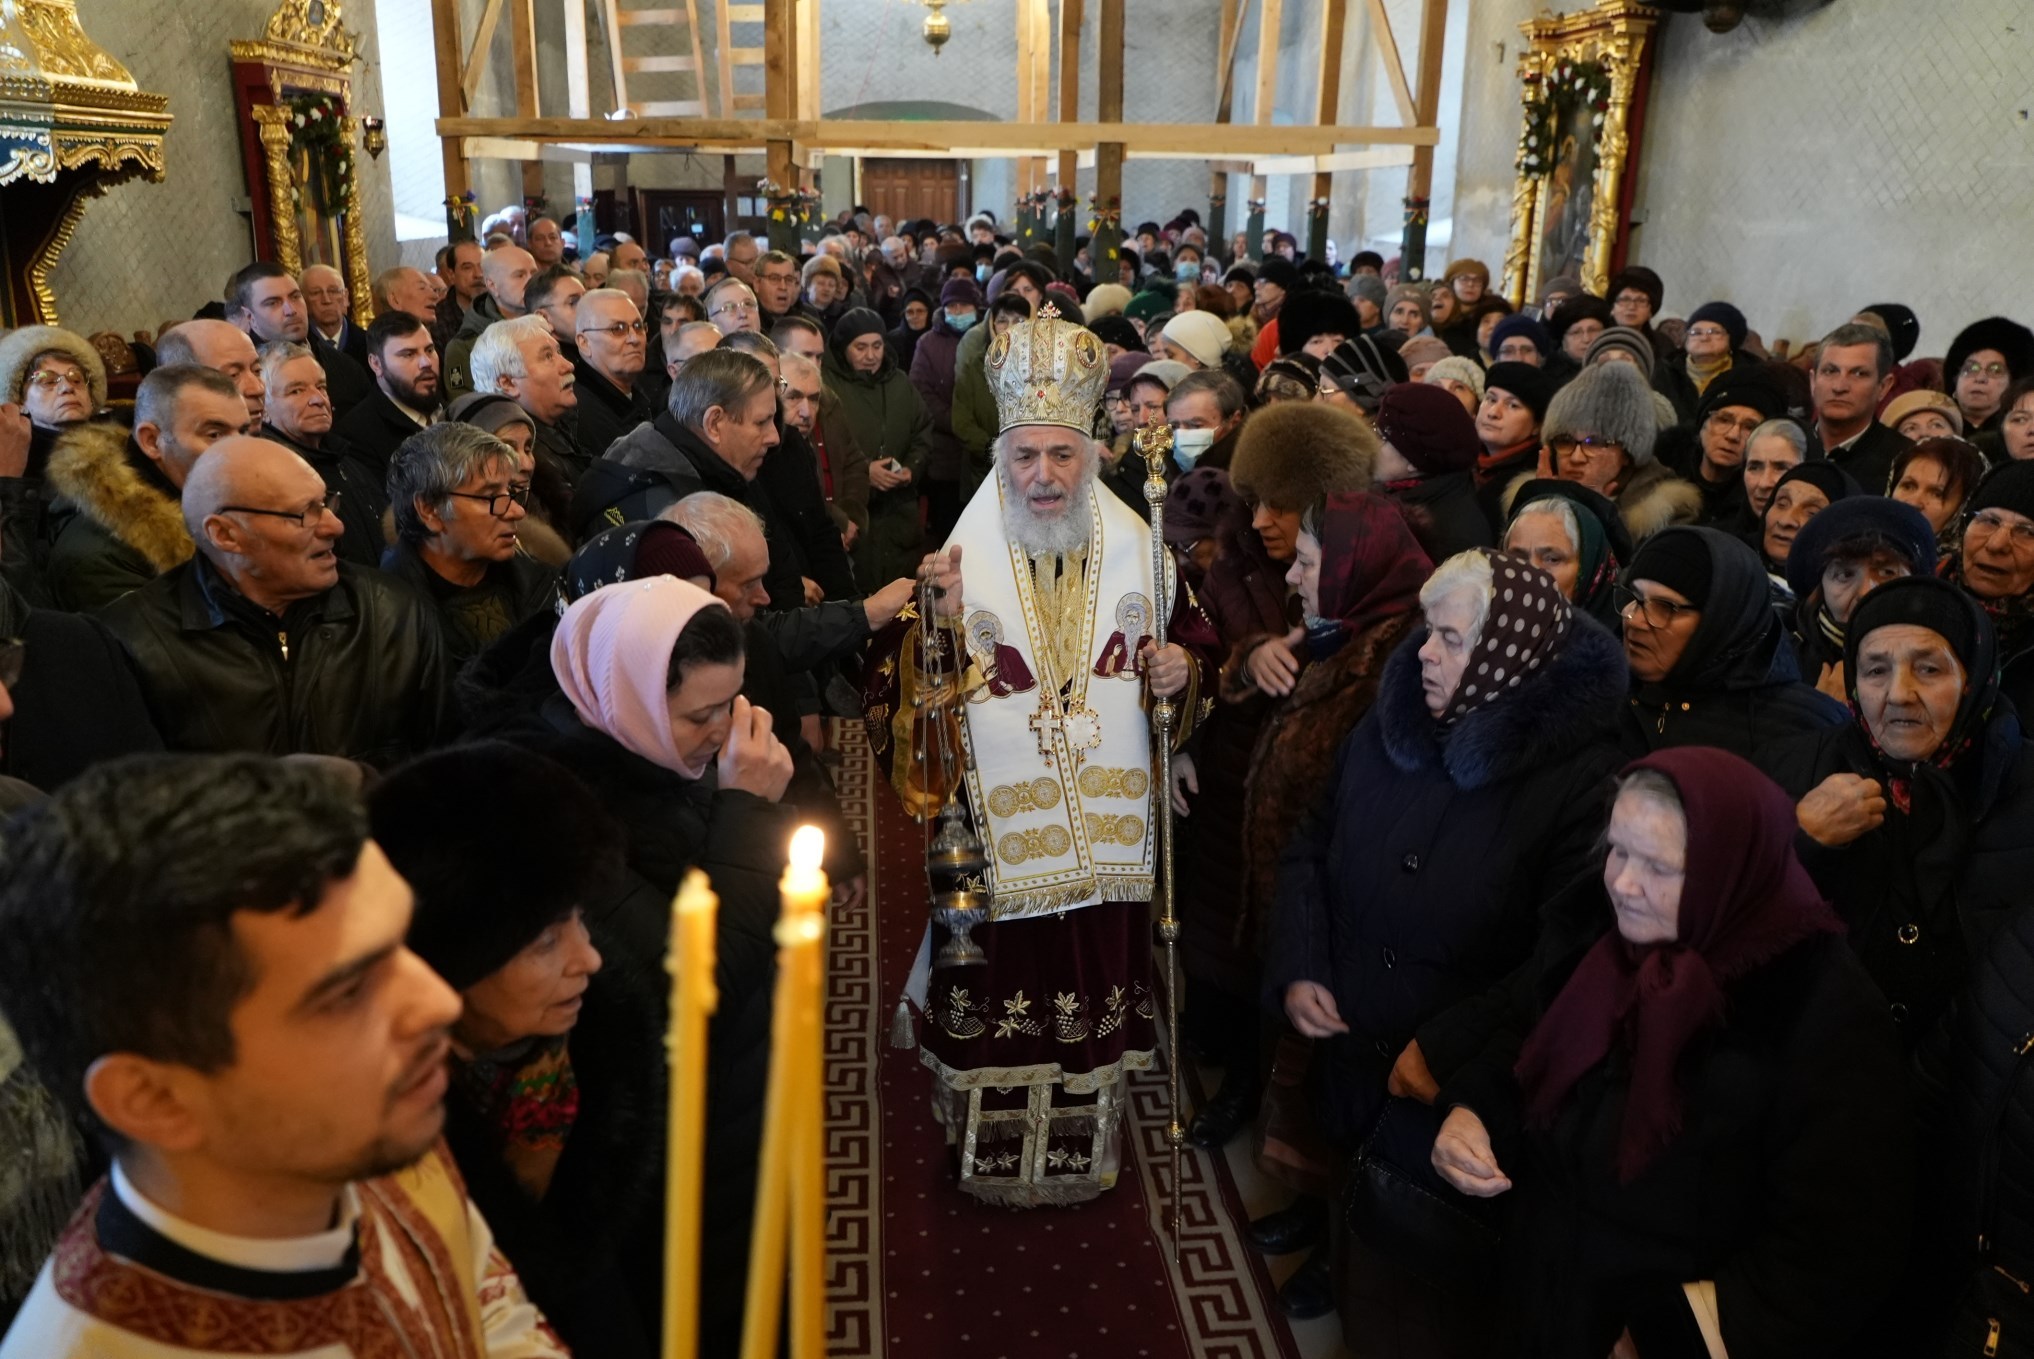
[(938, 28)]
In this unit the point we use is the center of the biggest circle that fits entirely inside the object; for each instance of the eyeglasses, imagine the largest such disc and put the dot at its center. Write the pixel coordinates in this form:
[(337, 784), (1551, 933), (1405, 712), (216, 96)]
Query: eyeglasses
[(1986, 524), (13, 655), (498, 504), (738, 307), (617, 330), (1707, 333), (1589, 443), (1722, 421), (310, 514), (49, 380), (1659, 613), (1984, 369)]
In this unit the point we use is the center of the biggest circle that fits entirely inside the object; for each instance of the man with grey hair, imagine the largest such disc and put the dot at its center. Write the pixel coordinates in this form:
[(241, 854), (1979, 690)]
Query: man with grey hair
[(633, 284), (506, 272), (266, 641), (402, 289), (731, 304), (687, 343), (519, 359), (613, 343), (299, 417), (457, 501), (1055, 647), (842, 467), (117, 519), (740, 253), (330, 304)]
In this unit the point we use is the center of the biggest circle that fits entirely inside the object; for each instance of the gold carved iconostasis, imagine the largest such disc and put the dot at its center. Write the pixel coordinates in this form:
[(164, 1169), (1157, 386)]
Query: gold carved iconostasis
[(73, 123), (1584, 77), (293, 94)]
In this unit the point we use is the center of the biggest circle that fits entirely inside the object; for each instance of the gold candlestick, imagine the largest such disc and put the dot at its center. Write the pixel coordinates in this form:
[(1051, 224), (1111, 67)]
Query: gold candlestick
[(693, 998)]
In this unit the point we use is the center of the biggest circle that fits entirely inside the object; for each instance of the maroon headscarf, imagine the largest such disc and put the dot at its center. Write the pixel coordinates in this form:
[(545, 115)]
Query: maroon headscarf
[(1745, 900), (1371, 565)]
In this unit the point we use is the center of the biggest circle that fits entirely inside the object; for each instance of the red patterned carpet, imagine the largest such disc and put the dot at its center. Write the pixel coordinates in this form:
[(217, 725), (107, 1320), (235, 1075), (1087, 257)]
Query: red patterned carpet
[(917, 1268)]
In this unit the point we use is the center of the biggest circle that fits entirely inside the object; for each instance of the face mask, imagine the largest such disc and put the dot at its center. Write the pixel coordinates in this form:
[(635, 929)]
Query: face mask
[(963, 321), (1190, 445), (981, 273), (1187, 271)]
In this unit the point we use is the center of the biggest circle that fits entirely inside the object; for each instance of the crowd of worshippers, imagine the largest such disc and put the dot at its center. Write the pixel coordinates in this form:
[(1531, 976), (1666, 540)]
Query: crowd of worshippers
[(1599, 867)]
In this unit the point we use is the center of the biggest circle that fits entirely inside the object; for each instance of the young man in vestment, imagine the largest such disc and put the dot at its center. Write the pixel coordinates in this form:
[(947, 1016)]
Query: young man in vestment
[(203, 957), (1029, 1049)]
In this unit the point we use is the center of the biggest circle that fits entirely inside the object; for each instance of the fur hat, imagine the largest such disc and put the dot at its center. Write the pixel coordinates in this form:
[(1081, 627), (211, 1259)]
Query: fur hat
[(1640, 279), (1610, 401), (1632, 342), (18, 349), (1309, 313), (1201, 333), (1295, 453), (1279, 271), (2010, 338), (484, 892), (1462, 370), (1922, 399), (1723, 314), (1466, 268), (1106, 299)]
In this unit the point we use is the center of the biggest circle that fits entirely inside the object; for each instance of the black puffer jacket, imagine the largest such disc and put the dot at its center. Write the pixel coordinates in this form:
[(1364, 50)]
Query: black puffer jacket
[(358, 671), (78, 700), (1737, 685), (1415, 882)]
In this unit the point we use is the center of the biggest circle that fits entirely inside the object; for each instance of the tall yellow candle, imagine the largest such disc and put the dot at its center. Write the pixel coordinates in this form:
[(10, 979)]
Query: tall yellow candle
[(790, 1185), (693, 998)]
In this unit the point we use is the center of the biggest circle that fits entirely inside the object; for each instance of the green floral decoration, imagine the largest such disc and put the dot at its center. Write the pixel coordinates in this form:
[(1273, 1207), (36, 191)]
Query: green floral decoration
[(316, 126), (1550, 99)]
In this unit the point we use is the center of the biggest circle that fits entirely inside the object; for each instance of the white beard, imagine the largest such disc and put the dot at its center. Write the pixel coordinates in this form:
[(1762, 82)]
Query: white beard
[(1037, 534)]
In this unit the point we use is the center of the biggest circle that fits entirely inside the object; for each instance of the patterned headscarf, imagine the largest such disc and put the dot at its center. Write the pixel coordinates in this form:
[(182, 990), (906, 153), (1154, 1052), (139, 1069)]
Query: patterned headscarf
[(1528, 624)]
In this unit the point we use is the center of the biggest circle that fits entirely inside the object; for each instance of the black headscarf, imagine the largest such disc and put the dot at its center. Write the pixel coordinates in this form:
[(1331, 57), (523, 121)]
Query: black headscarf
[(854, 323), (1935, 604), (1738, 642), (1605, 545)]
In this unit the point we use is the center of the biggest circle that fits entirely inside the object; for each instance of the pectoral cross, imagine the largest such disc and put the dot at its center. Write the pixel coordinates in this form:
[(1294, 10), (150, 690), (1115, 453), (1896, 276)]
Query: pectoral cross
[(1080, 725)]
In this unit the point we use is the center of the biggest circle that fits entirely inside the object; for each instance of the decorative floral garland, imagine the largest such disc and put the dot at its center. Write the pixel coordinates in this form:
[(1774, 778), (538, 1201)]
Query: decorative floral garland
[(1549, 98), (1100, 215), (1416, 210), (788, 204), (1317, 207), (316, 126), (1254, 206), (464, 208)]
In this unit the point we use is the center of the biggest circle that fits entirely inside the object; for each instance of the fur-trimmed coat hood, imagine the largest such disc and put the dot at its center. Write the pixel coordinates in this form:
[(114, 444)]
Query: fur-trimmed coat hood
[(97, 467), (1653, 497)]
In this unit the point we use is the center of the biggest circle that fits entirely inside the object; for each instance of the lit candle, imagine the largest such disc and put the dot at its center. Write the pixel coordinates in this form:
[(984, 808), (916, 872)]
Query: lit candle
[(791, 1181), (693, 998)]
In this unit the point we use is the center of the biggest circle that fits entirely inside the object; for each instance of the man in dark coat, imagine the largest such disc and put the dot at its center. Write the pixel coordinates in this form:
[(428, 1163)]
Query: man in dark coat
[(608, 371), (74, 701), (299, 416), (1853, 374), (263, 300), (404, 360), (932, 370), (265, 641)]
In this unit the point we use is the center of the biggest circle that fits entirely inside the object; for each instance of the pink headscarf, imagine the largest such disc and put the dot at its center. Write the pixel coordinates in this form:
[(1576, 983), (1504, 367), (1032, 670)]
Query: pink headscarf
[(612, 653)]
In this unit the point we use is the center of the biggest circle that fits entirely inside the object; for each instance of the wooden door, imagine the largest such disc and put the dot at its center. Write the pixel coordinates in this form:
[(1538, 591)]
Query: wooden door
[(667, 213), (906, 190)]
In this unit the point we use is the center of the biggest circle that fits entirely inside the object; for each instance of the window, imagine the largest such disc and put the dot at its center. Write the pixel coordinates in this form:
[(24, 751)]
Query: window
[(409, 93)]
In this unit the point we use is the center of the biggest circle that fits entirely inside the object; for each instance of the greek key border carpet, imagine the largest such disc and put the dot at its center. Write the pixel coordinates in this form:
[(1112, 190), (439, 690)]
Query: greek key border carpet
[(917, 1268)]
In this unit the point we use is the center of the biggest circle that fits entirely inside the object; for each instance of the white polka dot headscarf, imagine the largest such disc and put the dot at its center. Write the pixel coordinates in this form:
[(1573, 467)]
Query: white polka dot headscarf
[(1527, 624)]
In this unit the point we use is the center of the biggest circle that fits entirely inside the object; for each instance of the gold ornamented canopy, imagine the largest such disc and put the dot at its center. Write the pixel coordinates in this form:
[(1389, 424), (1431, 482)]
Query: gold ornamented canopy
[(1047, 371), (72, 124)]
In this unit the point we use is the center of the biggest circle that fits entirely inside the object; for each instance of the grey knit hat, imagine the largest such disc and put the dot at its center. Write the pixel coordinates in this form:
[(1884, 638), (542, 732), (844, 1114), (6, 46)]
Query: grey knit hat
[(1368, 286), (1633, 342), (1610, 401)]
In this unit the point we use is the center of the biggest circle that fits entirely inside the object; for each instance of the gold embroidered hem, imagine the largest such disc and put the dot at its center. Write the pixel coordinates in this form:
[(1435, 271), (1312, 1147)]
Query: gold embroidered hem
[(1060, 1145)]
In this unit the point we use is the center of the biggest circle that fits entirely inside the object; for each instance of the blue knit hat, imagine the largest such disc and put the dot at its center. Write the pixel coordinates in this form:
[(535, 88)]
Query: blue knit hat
[(1904, 529), (1520, 324)]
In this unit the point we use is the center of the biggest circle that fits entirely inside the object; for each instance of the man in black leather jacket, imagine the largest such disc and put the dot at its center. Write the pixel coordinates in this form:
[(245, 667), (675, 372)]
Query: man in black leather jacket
[(265, 641)]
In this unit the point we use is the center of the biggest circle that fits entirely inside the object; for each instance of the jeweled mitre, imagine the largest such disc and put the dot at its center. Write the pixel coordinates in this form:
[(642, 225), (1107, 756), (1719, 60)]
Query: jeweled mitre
[(1047, 371)]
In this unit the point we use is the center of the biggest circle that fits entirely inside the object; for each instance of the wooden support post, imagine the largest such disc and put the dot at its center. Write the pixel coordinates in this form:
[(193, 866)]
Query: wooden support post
[(1419, 185), (1267, 94), (1225, 71), (1070, 17), (780, 92), (1104, 248), (578, 99), (1333, 17), (523, 36), (451, 104)]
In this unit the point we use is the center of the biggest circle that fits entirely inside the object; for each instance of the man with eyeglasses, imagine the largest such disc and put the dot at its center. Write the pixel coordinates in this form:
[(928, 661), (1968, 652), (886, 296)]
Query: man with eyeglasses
[(299, 417), (731, 305), (1853, 374), (613, 343), (457, 502), (1713, 459), (266, 641), (777, 289)]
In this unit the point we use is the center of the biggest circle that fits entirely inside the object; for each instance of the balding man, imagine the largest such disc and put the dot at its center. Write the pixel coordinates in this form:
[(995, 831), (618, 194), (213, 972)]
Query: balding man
[(547, 242), (116, 519), (506, 272), (687, 342), (612, 345), (222, 347), (628, 255), (330, 303), (406, 290), (265, 641)]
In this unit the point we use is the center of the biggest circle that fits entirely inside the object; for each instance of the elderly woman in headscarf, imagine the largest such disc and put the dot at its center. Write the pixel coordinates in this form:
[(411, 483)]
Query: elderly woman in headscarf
[(1468, 794), (1996, 565), (891, 425), (1711, 663), (1803, 492), (1846, 552), (553, 1110), (1936, 477), (1358, 571), (1919, 811), (1574, 535), (1703, 1105)]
